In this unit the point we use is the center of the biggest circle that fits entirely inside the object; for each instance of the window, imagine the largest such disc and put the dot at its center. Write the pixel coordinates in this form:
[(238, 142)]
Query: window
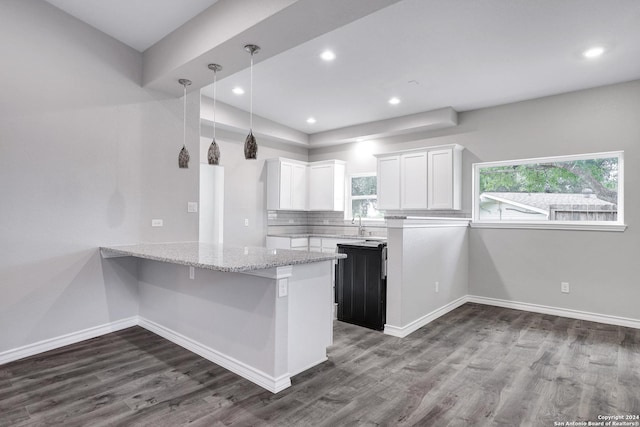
[(362, 199), (574, 192)]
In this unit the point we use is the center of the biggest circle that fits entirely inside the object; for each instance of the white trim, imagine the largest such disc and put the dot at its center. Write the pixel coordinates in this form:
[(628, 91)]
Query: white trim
[(67, 339), (256, 376), (403, 331), (545, 225), (427, 222), (557, 311), (457, 147), (564, 158)]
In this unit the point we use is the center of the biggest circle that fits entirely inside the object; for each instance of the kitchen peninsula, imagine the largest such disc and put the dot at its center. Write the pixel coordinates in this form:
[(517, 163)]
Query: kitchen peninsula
[(265, 314)]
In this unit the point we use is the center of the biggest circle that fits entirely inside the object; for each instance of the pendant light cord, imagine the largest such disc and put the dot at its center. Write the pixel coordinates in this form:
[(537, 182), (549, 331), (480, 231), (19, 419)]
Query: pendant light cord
[(251, 97), (184, 118), (215, 79)]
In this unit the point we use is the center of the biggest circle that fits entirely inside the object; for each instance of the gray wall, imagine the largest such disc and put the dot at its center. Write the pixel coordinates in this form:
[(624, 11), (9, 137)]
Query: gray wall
[(245, 184), (528, 265), (87, 158)]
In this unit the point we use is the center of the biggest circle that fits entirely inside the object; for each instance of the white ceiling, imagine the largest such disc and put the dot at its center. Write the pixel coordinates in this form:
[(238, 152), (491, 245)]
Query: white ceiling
[(432, 53), (136, 23), (466, 54)]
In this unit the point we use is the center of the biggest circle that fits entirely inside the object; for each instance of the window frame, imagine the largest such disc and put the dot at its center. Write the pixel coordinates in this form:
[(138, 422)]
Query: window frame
[(617, 225), (348, 211)]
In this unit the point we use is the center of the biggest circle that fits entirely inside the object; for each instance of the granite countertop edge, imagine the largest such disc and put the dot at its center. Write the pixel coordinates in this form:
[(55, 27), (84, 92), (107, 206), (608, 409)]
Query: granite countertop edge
[(284, 255)]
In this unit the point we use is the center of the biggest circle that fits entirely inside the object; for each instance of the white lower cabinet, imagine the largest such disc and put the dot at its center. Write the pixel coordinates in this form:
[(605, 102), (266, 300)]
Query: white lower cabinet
[(293, 243), (311, 244)]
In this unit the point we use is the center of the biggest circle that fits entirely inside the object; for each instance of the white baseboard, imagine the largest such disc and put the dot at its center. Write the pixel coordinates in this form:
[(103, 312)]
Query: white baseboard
[(64, 340), (403, 331), (256, 376), (556, 311)]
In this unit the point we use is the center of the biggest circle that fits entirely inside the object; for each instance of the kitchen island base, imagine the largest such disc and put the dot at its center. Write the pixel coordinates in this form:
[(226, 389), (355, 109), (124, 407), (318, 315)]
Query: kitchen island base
[(264, 325)]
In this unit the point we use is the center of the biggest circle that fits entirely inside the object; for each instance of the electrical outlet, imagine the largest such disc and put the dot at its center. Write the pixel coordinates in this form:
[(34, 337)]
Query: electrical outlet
[(291, 221), (246, 222), (564, 287), (192, 273), (156, 223), (282, 287), (437, 287), (192, 207)]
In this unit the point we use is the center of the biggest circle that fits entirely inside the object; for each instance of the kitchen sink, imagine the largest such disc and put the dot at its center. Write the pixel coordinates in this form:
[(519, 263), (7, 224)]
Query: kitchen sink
[(374, 239)]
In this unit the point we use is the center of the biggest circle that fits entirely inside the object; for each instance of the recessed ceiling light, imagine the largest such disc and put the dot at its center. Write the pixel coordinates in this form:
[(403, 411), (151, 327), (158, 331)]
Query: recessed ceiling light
[(593, 52), (394, 101), (328, 55), (311, 120), (238, 90)]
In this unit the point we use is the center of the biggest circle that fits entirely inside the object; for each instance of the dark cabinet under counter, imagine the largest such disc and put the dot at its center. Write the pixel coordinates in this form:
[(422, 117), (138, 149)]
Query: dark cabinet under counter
[(361, 284)]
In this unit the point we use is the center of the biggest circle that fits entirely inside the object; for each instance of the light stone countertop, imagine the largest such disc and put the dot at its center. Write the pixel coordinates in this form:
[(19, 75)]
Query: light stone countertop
[(225, 258)]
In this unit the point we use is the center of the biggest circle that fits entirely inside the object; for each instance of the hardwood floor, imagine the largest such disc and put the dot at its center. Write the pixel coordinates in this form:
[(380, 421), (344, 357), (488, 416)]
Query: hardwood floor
[(477, 365)]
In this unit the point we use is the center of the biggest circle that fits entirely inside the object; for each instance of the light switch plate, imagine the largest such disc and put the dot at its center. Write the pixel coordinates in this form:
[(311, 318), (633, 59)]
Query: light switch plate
[(192, 206), (156, 223)]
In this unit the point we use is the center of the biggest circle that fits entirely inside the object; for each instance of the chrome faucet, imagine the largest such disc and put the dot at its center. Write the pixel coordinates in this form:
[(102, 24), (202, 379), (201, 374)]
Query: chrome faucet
[(360, 227)]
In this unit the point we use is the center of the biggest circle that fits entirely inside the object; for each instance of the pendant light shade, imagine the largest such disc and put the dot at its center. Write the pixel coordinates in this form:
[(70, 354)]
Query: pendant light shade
[(250, 144), (183, 157), (214, 150)]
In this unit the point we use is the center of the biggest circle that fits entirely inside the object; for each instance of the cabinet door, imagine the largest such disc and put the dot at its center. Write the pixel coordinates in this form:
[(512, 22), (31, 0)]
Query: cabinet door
[(388, 182), (321, 187), (277, 242), (414, 181), (299, 187), (286, 175), (441, 179)]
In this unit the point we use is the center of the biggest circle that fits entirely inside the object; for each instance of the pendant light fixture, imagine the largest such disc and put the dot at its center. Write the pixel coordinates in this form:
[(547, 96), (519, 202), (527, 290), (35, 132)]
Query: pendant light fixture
[(183, 157), (250, 144), (214, 150)]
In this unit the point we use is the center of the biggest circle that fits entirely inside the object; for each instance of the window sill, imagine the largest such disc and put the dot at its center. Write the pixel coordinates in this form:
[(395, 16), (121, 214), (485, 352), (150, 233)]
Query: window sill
[(551, 226)]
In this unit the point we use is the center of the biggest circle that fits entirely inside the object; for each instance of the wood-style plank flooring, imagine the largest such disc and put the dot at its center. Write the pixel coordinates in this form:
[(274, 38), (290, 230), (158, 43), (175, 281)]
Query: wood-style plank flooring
[(477, 365)]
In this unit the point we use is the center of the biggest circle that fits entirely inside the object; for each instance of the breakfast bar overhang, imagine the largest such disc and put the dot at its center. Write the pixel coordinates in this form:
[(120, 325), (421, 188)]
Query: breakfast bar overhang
[(264, 314)]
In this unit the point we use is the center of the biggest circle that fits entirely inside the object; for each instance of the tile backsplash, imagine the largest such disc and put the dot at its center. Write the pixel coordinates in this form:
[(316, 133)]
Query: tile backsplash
[(294, 222)]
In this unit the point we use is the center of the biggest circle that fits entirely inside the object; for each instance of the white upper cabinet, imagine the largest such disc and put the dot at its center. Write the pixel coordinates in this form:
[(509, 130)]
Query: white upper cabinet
[(299, 186), (444, 175), (413, 181), (326, 185), (286, 184), (388, 182), (420, 179)]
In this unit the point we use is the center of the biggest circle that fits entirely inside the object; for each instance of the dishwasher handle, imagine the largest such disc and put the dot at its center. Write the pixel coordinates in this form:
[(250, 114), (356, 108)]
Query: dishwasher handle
[(383, 269)]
